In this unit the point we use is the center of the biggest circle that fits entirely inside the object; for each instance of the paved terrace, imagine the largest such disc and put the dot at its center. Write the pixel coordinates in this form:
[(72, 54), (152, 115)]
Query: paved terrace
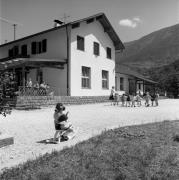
[(29, 127)]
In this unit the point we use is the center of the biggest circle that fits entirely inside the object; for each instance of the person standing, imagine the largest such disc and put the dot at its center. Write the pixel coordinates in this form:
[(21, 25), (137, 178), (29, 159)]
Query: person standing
[(112, 93), (147, 99), (156, 98)]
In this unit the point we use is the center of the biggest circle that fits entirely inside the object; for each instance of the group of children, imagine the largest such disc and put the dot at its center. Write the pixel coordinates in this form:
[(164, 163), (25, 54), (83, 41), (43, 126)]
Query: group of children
[(134, 100)]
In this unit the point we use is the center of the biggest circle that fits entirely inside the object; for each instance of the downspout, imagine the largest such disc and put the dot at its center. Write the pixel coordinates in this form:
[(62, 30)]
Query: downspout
[(68, 35)]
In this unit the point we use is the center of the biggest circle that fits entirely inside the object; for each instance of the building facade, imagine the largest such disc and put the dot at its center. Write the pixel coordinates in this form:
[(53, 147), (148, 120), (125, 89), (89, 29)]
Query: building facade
[(75, 59), (131, 82)]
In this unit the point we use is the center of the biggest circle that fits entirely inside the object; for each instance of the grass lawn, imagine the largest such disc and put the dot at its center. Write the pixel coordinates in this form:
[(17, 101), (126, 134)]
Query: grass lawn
[(146, 152)]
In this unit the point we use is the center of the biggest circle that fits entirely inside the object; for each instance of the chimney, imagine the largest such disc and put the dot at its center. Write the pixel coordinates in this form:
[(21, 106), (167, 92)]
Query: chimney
[(57, 23)]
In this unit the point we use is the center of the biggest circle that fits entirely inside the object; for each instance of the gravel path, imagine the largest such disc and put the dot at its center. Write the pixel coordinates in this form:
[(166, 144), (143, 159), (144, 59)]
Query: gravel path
[(30, 127)]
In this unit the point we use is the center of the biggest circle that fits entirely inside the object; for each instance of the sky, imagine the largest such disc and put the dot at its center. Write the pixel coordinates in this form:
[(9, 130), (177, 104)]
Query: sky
[(131, 19)]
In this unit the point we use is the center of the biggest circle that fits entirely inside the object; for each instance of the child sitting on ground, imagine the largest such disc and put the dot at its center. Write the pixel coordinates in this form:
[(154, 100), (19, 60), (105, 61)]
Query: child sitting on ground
[(60, 120)]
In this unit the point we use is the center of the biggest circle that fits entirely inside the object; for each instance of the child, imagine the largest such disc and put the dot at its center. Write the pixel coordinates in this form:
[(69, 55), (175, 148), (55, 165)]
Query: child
[(133, 100), (153, 98), (116, 99), (111, 97), (128, 102), (138, 99), (156, 98), (147, 99), (59, 120), (123, 99)]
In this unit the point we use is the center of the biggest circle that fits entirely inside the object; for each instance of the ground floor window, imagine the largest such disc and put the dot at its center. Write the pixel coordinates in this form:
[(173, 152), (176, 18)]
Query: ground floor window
[(86, 77), (105, 79), (121, 83)]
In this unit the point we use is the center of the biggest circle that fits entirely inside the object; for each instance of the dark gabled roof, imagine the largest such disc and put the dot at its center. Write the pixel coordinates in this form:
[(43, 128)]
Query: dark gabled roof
[(101, 17), (122, 69)]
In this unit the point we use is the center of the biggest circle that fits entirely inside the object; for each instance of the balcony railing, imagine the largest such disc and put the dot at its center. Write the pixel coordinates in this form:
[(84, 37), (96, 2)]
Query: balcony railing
[(33, 91), (14, 57)]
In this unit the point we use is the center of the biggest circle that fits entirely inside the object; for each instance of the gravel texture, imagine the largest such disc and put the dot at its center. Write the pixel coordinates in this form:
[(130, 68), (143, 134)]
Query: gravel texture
[(30, 127)]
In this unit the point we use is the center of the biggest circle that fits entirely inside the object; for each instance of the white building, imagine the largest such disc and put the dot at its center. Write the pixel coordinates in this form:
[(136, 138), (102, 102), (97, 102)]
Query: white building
[(75, 59)]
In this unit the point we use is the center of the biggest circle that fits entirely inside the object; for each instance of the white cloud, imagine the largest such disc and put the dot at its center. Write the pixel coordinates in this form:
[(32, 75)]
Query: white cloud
[(132, 23), (137, 19)]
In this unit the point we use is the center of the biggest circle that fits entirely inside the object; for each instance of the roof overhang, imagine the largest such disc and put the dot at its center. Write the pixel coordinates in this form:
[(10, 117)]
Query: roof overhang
[(32, 62), (101, 17)]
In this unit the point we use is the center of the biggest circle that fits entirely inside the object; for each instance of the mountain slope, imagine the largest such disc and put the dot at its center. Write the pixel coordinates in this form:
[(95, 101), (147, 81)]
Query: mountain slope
[(154, 50)]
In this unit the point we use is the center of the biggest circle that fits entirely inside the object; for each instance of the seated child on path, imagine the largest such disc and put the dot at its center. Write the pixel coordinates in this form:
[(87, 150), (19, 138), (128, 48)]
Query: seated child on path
[(60, 120)]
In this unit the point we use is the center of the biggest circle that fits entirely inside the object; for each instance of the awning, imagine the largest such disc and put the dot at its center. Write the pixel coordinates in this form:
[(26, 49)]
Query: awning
[(32, 62)]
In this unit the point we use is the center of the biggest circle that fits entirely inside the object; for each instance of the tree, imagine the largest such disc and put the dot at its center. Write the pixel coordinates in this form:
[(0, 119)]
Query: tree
[(7, 89)]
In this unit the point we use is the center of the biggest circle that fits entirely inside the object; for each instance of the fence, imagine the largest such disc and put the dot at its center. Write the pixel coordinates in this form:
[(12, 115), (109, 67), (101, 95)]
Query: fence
[(32, 91)]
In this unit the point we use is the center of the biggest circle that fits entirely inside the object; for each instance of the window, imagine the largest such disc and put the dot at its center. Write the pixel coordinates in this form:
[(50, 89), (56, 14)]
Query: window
[(75, 25), (24, 50), (121, 83), (90, 20), (80, 43), (86, 77), (108, 52), (105, 77), (96, 48), (33, 48), (16, 50), (44, 45), (11, 54)]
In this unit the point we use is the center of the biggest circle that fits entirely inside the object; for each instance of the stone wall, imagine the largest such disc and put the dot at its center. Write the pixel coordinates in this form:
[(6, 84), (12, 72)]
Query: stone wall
[(30, 102)]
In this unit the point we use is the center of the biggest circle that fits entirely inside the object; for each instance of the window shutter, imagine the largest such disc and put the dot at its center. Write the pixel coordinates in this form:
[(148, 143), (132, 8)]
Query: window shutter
[(33, 48)]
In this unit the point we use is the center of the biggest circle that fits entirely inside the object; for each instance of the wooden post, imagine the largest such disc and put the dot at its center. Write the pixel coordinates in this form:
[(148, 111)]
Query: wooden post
[(68, 41), (23, 76), (143, 87)]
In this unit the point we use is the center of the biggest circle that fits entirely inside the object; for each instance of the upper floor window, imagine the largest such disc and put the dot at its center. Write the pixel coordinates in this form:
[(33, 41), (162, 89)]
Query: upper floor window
[(24, 49), (39, 47), (33, 48), (11, 54), (80, 43), (90, 20), (86, 77), (105, 79), (16, 50), (75, 25), (108, 53), (121, 83), (96, 48)]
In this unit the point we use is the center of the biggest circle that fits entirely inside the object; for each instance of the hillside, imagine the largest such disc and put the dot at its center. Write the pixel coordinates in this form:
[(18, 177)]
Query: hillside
[(154, 50)]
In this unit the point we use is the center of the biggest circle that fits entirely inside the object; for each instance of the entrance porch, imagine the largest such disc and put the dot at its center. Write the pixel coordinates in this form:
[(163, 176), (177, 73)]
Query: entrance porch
[(51, 72)]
